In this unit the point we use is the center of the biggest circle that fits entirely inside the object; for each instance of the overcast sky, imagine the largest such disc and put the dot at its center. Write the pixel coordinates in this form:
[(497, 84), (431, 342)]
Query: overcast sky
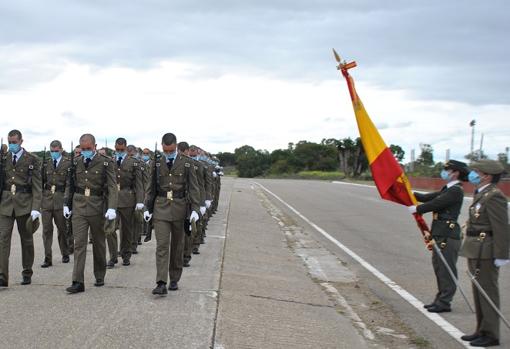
[(222, 74)]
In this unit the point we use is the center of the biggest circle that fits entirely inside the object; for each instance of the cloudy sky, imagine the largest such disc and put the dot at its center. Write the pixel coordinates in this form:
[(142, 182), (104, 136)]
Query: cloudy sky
[(222, 74)]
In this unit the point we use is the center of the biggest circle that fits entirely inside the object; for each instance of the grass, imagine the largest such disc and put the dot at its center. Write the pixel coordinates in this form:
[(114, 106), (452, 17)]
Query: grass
[(420, 342)]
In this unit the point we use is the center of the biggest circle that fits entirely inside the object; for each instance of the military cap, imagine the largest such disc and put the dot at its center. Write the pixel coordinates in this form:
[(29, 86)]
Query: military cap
[(32, 225), (460, 166), (491, 167)]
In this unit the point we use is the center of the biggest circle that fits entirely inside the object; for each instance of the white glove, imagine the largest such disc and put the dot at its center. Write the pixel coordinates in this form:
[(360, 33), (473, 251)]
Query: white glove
[(411, 209), (35, 214), (194, 216), (67, 212), (139, 206), (110, 214), (208, 203), (214, 174), (147, 216), (202, 210), (221, 173), (501, 262)]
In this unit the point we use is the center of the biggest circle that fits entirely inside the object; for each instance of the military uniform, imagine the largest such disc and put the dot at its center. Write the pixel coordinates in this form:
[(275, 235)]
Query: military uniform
[(175, 187), (88, 204), (55, 172), (22, 193), (487, 238), (146, 176)]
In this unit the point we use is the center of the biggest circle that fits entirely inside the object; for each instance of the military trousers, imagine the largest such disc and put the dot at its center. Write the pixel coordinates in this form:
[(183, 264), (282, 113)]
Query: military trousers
[(188, 240), (169, 249), (446, 286), (48, 217), (137, 233), (113, 245), (27, 245), (81, 225), (487, 320), (127, 230)]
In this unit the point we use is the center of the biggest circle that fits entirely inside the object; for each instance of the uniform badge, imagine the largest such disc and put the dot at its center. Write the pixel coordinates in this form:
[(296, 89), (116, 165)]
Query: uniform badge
[(13, 189), (170, 195), (87, 191)]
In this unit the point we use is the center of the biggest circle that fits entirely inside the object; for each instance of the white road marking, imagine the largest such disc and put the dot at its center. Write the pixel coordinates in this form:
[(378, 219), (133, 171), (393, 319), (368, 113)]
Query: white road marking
[(453, 331)]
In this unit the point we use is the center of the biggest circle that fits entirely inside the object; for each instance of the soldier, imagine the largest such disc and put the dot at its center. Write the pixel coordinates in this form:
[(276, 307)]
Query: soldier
[(486, 247), (131, 196), (54, 183), (20, 202), (138, 221), (445, 205), (173, 186), (91, 174), (147, 165)]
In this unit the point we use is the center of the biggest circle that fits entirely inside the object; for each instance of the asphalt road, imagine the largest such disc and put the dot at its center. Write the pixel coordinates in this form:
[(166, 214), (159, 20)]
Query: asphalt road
[(384, 234)]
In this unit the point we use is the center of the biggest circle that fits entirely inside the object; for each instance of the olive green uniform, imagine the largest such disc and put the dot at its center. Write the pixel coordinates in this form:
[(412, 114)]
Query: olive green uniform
[(487, 214), (22, 193), (176, 187), (52, 206), (89, 201)]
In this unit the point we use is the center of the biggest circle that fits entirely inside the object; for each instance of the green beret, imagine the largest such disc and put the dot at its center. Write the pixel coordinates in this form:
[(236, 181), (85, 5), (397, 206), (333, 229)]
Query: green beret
[(32, 225), (491, 167)]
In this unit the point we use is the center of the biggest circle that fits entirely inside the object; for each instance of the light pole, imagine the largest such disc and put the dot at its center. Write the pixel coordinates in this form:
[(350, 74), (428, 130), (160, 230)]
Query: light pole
[(472, 124)]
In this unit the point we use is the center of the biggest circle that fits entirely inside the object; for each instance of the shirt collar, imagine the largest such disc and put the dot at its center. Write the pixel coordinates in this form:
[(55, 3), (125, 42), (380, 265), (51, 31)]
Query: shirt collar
[(452, 183), (483, 187), (19, 153)]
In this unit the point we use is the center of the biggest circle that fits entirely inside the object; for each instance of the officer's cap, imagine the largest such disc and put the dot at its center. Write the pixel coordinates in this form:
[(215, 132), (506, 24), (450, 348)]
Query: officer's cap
[(491, 167)]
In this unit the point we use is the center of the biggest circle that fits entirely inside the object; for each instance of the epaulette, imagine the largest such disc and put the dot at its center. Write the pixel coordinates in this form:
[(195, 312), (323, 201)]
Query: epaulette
[(187, 164)]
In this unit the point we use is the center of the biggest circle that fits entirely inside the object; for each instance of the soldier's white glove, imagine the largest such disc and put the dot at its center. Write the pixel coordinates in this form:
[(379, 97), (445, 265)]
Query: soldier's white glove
[(221, 173), (110, 214), (35, 214), (202, 210), (194, 216), (501, 262), (67, 212), (139, 206), (411, 209), (208, 203), (214, 174), (147, 216)]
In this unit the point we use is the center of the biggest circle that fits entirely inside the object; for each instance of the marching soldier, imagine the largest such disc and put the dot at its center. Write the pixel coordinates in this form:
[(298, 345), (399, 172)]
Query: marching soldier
[(445, 205), (173, 186), (147, 165), (54, 183), (20, 202), (486, 247), (85, 199), (138, 217)]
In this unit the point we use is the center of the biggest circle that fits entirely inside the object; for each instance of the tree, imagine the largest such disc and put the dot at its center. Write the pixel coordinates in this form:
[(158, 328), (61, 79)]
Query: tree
[(398, 152), (226, 159), (250, 162), (426, 157)]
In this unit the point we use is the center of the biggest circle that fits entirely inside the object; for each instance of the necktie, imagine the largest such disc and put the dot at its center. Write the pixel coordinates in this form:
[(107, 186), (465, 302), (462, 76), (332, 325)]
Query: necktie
[(119, 161), (169, 163), (87, 162), (14, 157), (54, 164)]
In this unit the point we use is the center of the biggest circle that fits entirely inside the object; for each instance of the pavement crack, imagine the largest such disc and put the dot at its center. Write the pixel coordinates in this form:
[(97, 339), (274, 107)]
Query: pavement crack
[(291, 301)]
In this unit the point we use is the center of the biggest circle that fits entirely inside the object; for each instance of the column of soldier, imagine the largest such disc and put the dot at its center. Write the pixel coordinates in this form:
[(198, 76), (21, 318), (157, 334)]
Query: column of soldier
[(88, 196)]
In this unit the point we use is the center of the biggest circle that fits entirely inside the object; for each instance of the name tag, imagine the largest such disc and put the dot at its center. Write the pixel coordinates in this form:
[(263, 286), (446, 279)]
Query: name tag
[(13, 189), (170, 195), (87, 191)]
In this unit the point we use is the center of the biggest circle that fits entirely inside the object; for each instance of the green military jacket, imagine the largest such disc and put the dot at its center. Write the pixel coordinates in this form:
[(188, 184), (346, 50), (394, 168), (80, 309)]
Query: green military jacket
[(54, 188), (22, 185), (178, 188), (200, 171), (90, 198), (488, 213), (129, 182)]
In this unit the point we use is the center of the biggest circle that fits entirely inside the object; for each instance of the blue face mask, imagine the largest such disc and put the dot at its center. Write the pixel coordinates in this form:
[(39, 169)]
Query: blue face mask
[(196, 157), (474, 178), (14, 148), (87, 154), (171, 156), (119, 155), (445, 175), (55, 155), (146, 158)]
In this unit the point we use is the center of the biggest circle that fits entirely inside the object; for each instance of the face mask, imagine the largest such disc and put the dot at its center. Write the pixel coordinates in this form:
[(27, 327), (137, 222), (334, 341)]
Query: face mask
[(171, 156), (445, 175), (474, 178), (120, 155), (55, 155), (196, 157), (14, 148), (87, 154), (146, 158)]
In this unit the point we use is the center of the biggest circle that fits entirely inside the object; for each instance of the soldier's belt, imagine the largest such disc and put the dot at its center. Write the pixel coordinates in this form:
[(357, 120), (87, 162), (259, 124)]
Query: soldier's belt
[(172, 194), (88, 192), (439, 217), (55, 188), (477, 233), (15, 189)]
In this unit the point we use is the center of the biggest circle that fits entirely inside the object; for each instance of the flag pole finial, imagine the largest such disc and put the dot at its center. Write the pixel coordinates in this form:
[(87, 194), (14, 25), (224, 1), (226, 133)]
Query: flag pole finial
[(343, 66)]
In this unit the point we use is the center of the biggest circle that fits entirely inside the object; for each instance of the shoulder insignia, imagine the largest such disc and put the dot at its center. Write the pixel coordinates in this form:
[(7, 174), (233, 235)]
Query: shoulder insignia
[(187, 164), (135, 164), (30, 167), (106, 163)]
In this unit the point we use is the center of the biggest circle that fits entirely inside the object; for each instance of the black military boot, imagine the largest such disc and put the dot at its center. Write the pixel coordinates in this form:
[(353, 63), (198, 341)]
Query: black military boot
[(76, 287), (160, 290)]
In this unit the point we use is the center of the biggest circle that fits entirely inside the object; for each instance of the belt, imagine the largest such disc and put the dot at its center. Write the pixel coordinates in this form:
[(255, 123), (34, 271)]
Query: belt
[(438, 217), (88, 192), (55, 188), (14, 189), (477, 233), (172, 194)]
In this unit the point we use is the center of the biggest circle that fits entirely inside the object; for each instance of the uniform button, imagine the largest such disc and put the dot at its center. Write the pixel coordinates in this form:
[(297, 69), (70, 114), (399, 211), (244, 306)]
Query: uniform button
[(86, 171), (12, 177), (86, 180)]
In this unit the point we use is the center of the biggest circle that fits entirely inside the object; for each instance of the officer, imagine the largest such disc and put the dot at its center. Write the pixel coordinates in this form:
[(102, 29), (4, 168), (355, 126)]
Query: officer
[(174, 186), (92, 173), (20, 202), (54, 183), (138, 221), (445, 205), (486, 247)]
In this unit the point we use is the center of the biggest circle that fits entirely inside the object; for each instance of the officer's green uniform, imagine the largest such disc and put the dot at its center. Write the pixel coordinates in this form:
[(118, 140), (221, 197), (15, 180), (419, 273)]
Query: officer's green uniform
[(146, 176), (52, 206), (138, 222), (445, 205), (89, 200), (21, 195), (177, 186), (487, 214), (131, 191)]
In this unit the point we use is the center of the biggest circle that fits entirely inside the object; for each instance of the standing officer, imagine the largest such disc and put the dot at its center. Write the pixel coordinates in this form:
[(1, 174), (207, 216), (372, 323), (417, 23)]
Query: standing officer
[(20, 202), (486, 247), (90, 174), (138, 217), (173, 186), (54, 181), (445, 205), (147, 165)]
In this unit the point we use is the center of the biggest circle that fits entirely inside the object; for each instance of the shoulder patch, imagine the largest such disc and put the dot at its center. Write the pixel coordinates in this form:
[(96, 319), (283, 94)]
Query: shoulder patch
[(187, 164), (106, 163), (135, 163)]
